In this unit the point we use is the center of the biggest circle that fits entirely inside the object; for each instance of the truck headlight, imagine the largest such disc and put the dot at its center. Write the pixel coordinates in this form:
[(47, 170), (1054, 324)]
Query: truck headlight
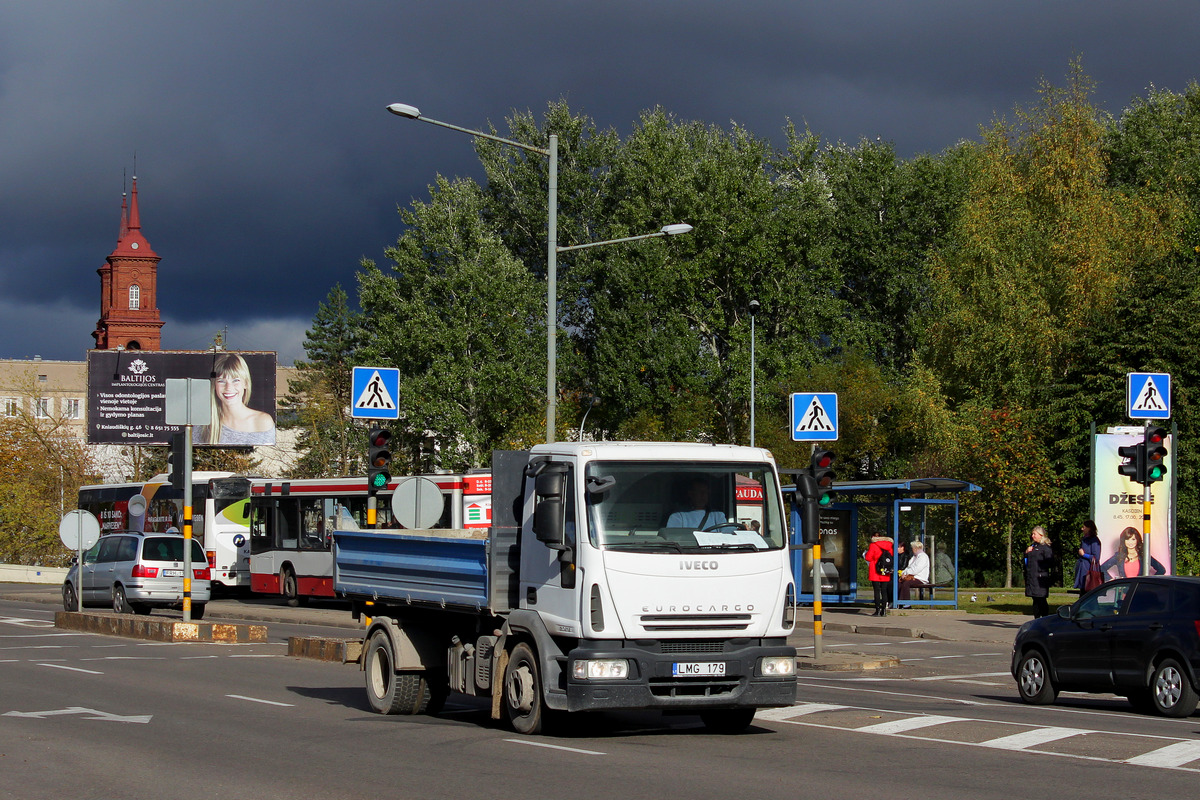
[(777, 666), (596, 668)]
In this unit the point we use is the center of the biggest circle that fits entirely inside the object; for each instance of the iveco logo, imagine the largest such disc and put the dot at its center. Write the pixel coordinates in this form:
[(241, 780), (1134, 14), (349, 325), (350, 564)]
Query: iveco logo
[(697, 565)]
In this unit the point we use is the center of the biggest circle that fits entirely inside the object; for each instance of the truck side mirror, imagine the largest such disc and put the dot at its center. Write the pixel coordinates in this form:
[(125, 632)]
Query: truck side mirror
[(548, 514)]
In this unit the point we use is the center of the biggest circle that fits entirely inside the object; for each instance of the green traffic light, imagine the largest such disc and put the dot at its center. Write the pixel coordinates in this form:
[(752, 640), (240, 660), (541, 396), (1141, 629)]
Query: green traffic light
[(379, 480), (825, 500)]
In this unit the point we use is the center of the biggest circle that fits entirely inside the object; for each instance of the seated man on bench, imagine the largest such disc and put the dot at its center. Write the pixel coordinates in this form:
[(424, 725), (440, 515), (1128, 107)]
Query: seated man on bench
[(916, 574)]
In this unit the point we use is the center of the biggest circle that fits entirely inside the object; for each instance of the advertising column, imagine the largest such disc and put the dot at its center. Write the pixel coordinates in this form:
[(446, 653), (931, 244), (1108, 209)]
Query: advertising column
[(1118, 511)]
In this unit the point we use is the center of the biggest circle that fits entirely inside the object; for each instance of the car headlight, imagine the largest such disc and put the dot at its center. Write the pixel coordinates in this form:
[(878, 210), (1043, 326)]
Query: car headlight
[(598, 668), (777, 666)]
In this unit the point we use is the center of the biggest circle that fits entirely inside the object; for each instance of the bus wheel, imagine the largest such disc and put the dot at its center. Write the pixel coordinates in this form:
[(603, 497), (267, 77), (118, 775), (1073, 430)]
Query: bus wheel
[(289, 588)]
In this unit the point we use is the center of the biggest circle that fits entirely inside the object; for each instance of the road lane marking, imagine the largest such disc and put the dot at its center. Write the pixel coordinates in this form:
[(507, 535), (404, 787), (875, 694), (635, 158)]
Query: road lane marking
[(72, 669), (557, 747), (257, 700)]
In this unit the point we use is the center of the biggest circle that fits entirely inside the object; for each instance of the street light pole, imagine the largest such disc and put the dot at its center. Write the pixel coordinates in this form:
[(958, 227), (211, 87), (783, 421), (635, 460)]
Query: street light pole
[(552, 248), (754, 306)]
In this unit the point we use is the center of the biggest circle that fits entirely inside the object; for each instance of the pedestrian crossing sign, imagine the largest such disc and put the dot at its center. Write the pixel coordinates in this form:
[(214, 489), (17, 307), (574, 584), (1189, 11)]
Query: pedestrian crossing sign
[(1148, 395), (375, 391), (814, 417)]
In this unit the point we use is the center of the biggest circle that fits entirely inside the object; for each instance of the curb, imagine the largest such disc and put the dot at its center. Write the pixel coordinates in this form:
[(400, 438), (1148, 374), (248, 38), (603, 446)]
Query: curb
[(159, 630)]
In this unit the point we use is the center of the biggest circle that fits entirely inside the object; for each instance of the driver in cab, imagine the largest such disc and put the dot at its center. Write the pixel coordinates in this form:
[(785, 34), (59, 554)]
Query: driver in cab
[(700, 516)]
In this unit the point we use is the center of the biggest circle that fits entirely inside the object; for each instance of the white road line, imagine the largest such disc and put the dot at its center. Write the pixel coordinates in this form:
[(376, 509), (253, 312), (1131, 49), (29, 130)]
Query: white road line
[(796, 711), (124, 658), (1173, 755), (256, 655), (978, 683), (960, 677), (910, 724), (557, 747), (256, 700), (1019, 741), (72, 669)]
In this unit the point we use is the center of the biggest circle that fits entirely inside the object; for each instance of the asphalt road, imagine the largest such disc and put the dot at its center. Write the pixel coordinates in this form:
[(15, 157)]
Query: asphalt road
[(83, 715)]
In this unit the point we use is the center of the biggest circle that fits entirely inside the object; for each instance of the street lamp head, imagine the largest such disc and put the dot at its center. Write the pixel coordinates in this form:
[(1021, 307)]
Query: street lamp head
[(754, 306), (406, 111), (676, 229)]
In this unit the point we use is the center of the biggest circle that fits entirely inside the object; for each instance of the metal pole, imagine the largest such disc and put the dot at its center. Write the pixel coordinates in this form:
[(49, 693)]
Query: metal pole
[(187, 517), (552, 291), (753, 313), (79, 565), (1145, 554)]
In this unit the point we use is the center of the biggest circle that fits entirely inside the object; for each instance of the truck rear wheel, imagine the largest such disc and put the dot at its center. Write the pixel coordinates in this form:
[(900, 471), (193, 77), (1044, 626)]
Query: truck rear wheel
[(387, 692), (523, 691)]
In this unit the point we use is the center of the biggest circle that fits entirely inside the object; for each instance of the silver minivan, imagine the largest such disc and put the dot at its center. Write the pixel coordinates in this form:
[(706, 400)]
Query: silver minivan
[(135, 572)]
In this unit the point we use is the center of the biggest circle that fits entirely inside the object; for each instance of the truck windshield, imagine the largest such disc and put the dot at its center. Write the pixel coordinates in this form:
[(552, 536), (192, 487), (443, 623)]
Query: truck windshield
[(673, 508)]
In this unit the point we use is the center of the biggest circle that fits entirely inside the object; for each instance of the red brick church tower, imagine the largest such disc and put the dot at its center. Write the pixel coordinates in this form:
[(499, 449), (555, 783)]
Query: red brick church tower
[(128, 288)]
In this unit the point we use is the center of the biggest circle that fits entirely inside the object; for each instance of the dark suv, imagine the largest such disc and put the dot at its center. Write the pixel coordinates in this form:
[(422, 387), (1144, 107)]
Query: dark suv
[(1136, 637)]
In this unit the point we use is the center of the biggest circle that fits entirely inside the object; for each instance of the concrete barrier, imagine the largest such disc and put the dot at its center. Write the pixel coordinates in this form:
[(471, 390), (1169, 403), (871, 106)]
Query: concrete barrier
[(19, 573)]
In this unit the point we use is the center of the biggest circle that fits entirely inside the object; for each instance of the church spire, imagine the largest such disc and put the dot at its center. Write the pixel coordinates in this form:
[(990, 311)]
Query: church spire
[(135, 223)]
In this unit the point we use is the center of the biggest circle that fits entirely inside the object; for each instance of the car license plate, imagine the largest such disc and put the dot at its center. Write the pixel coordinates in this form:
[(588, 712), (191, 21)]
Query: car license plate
[(172, 573), (685, 669)]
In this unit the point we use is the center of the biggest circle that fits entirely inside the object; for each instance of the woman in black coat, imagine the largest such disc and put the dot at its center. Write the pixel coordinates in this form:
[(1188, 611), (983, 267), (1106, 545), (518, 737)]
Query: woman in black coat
[(1038, 558)]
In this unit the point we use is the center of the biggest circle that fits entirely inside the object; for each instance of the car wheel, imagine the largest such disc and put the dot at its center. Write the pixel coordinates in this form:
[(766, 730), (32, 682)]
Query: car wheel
[(140, 608), (70, 601), (120, 601), (1033, 679), (1171, 690), (197, 611)]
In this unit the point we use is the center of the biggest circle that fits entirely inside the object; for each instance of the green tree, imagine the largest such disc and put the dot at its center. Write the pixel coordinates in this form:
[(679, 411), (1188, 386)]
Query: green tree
[(463, 321), (329, 440)]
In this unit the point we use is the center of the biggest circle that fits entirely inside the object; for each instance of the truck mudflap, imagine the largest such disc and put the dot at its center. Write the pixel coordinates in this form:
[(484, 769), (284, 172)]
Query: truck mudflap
[(682, 675)]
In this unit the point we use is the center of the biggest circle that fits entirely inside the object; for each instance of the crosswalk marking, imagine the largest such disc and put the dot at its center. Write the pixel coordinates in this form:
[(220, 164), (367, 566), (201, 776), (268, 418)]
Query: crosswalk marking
[(1173, 755), (1178, 754), (909, 724), (1020, 741)]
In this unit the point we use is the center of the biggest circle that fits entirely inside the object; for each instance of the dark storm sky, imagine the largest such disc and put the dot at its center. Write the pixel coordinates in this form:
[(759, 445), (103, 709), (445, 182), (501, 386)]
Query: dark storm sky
[(268, 167)]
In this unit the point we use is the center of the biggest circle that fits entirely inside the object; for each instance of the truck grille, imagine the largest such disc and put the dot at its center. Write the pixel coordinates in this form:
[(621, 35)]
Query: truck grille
[(695, 622), (683, 687)]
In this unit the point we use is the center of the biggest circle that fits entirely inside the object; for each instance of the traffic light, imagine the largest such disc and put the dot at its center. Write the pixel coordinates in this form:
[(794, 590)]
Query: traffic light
[(821, 469), (1134, 465), (1155, 450), (379, 460), (177, 461), (808, 497)]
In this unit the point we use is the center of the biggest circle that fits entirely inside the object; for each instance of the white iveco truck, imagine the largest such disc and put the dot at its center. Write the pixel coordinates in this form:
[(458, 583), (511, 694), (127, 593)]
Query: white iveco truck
[(616, 575)]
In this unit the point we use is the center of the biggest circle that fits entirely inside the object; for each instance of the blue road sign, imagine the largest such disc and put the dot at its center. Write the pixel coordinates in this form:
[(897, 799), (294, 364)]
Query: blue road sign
[(375, 390), (1148, 395), (814, 417)]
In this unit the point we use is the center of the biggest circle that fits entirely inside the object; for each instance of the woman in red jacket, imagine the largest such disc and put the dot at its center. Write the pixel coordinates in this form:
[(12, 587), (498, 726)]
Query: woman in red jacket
[(880, 574)]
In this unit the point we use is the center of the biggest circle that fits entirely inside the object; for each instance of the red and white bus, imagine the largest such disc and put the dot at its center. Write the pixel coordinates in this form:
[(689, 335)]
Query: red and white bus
[(292, 522)]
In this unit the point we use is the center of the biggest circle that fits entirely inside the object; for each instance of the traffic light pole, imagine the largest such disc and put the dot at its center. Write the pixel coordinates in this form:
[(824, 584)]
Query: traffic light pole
[(187, 523), (1145, 554)]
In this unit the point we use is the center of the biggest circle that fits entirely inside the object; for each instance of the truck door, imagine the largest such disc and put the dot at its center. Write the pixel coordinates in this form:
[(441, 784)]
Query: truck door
[(548, 580)]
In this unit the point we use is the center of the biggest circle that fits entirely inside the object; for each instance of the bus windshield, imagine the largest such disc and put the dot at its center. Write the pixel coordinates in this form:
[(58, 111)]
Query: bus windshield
[(676, 508)]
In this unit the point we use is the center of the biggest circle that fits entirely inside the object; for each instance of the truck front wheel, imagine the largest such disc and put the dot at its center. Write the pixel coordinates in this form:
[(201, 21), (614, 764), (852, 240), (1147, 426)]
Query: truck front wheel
[(523, 691), (387, 692)]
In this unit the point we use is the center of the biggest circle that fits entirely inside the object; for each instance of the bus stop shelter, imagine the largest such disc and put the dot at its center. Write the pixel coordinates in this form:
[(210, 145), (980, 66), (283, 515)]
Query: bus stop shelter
[(901, 509)]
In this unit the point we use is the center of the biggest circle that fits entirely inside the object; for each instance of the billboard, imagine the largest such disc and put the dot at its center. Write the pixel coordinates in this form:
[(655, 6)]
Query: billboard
[(126, 401), (1118, 506)]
